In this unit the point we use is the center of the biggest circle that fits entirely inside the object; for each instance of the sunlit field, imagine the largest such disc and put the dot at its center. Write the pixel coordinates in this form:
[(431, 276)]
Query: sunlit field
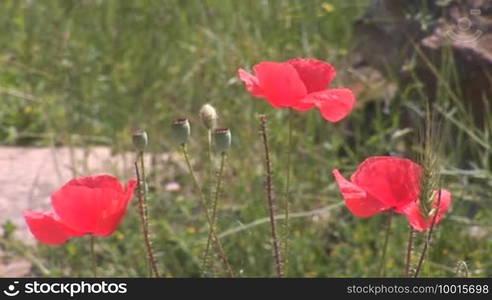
[(133, 77)]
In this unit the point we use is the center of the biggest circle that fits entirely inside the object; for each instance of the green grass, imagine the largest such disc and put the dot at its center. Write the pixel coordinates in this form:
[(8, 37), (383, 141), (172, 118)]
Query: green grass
[(85, 72)]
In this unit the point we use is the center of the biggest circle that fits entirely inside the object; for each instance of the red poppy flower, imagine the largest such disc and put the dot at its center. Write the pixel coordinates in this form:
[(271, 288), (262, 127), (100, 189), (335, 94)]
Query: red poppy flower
[(300, 84), (384, 183), (87, 205)]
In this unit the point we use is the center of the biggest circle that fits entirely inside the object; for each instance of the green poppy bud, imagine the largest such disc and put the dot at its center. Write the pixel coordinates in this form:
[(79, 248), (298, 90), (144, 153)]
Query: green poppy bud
[(208, 115)]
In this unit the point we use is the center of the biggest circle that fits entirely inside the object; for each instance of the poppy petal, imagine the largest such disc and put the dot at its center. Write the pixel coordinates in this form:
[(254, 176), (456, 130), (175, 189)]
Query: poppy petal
[(315, 74), (97, 181), (280, 84), (416, 218), (393, 181), (356, 199), (302, 106), (83, 208), (112, 219), (46, 228), (251, 83), (445, 203), (334, 104)]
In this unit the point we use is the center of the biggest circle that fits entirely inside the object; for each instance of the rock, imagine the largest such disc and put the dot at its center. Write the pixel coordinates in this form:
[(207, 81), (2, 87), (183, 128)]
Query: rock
[(399, 36)]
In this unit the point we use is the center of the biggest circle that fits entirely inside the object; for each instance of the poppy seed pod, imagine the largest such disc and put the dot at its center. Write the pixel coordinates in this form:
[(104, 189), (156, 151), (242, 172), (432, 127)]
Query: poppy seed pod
[(140, 139), (208, 114), (222, 139), (180, 129)]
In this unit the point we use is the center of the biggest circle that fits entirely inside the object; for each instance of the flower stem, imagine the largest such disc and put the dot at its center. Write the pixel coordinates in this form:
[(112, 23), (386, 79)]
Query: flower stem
[(93, 256), (408, 260), (143, 216), (210, 157), (218, 187), (287, 195), (209, 194), (144, 180), (212, 231), (385, 245), (211, 167), (216, 200), (271, 204), (429, 236)]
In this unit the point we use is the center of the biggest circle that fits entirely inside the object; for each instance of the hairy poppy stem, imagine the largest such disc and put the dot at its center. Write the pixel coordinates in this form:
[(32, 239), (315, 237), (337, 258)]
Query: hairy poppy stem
[(209, 193), (144, 179), (212, 231), (216, 200), (210, 157), (287, 195), (218, 187), (210, 165), (270, 199), (142, 209), (408, 260), (93, 256), (385, 246), (429, 236)]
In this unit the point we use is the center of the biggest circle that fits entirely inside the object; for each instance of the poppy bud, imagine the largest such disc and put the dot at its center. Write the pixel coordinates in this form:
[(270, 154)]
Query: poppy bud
[(140, 139), (208, 114), (180, 130), (222, 139)]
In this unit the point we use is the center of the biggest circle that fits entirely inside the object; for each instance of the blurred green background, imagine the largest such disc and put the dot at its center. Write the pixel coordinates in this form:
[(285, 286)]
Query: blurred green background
[(85, 72)]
